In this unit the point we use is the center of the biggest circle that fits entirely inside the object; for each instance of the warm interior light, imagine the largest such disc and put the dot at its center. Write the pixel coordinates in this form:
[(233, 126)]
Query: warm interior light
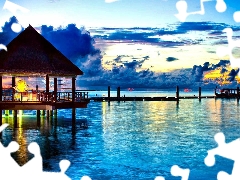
[(21, 86)]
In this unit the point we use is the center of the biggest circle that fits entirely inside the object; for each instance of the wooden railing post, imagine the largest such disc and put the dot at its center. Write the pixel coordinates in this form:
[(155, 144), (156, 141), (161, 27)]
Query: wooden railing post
[(55, 90), (47, 83), (1, 93), (73, 88), (13, 85)]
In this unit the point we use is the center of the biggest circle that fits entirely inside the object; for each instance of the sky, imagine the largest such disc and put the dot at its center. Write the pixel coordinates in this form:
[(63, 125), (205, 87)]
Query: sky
[(136, 43)]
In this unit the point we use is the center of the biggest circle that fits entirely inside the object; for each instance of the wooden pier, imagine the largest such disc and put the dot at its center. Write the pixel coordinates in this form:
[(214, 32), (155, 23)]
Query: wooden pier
[(226, 93), (163, 98)]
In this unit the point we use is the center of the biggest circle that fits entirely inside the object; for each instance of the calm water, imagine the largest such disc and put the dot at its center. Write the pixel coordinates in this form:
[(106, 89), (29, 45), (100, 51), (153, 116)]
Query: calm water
[(131, 140)]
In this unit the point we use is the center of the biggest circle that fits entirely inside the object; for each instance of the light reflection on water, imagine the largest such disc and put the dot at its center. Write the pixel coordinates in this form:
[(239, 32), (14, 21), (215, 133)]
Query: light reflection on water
[(131, 140)]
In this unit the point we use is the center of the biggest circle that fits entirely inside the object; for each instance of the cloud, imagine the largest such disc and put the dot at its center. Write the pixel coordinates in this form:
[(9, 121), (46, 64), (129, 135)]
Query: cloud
[(128, 75), (233, 73), (174, 35), (200, 26), (7, 34), (110, 1), (71, 41), (133, 36), (170, 59)]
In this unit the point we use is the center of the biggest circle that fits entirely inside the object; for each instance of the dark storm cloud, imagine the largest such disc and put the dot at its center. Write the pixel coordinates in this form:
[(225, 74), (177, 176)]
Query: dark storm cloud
[(197, 71), (153, 35), (219, 42), (118, 59), (233, 73), (200, 26), (7, 34), (223, 70), (133, 36), (128, 75), (222, 63), (216, 33), (170, 59), (71, 41)]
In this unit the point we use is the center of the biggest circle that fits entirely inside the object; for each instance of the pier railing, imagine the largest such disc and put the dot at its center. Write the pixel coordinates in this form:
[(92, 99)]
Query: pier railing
[(43, 96)]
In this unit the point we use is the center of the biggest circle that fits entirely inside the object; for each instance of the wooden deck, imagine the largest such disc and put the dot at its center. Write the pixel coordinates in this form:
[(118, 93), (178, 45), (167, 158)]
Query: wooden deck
[(43, 100), (101, 99)]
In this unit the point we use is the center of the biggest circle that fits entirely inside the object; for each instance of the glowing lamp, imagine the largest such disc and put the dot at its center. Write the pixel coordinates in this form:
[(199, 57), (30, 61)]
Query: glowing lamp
[(21, 86)]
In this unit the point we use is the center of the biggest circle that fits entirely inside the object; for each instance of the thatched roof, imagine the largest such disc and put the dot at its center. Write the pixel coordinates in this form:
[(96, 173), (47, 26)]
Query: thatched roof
[(31, 54)]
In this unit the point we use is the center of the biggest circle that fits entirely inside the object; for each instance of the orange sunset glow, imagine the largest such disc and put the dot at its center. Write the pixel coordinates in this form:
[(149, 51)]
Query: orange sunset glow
[(220, 78)]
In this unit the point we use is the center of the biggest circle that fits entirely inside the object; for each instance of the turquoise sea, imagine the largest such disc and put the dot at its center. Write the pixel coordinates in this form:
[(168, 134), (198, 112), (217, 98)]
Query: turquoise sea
[(131, 140)]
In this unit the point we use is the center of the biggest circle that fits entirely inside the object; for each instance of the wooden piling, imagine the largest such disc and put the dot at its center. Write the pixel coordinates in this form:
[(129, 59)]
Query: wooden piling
[(6, 113), (14, 113), (15, 118), (20, 112), (43, 112), (0, 116), (48, 113), (199, 93), (51, 113), (238, 94), (73, 116), (118, 93), (38, 118), (177, 93), (55, 113), (109, 96)]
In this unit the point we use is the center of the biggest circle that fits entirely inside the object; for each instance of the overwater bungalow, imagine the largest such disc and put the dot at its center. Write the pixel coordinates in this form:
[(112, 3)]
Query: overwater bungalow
[(31, 55)]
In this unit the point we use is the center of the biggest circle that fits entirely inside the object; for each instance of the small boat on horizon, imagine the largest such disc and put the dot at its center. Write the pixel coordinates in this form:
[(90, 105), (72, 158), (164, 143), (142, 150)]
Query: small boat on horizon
[(227, 93)]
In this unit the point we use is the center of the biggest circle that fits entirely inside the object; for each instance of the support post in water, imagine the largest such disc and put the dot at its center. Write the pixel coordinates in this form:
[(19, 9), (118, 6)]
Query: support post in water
[(15, 118), (118, 93), (177, 93), (6, 113), (43, 112), (199, 93), (55, 113), (237, 94), (38, 118), (109, 90), (73, 116)]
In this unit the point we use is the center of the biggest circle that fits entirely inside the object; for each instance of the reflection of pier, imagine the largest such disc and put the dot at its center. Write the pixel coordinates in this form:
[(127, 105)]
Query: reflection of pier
[(31, 55)]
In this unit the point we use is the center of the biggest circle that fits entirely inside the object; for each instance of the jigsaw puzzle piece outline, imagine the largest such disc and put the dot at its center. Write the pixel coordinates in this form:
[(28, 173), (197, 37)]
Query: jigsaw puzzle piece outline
[(14, 8), (222, 51), (177, 171), (182, 7), (227, 150), (6, 169)]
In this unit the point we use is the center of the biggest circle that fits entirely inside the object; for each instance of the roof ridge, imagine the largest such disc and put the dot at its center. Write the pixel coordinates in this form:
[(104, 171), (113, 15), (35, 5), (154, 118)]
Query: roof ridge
[(30, 53)]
